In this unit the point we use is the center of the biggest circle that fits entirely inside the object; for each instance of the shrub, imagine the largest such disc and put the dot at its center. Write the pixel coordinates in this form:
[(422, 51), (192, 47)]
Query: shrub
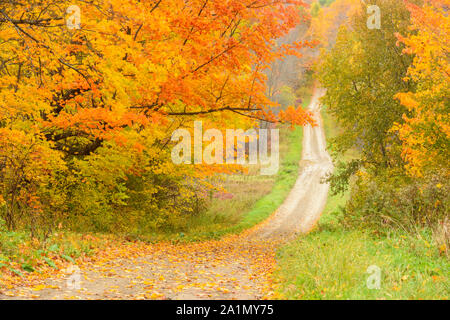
[(398, 201)]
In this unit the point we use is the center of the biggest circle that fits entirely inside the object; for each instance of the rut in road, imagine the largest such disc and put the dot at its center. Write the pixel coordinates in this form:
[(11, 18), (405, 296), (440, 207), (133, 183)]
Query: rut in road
[(236, 267)]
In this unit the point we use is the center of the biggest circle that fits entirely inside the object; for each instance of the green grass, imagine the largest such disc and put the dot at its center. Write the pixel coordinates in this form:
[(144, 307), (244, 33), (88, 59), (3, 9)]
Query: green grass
[(307, 100), (332, 262)]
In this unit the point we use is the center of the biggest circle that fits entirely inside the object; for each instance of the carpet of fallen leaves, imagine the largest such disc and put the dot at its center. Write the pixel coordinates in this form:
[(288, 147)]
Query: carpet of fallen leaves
[(235, 267)]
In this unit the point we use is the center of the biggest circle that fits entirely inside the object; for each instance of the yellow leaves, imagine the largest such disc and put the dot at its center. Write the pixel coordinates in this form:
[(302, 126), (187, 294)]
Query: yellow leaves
[(39, 287), (97, 100), (213, 268), (155, 296), (148, 58), (224, 290), (103, 100), (423, 129), (44, 286), (180, 287), (330, 19)]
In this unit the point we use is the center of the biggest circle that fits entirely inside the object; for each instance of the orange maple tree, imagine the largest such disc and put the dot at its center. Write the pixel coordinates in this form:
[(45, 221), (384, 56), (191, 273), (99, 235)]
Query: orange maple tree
[(105, 89)]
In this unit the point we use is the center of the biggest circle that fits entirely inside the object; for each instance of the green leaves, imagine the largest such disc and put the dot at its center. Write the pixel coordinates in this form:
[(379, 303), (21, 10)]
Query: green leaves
[(362, 73), (17, 272), (50, 262), (27, 267), (68, 258)]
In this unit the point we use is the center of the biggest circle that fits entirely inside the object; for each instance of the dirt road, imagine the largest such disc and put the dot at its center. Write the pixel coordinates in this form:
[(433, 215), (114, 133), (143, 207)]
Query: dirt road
[(236, 267), (305, 203)]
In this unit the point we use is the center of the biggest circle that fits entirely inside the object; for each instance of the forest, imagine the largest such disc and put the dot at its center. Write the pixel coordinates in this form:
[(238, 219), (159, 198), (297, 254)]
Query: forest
[(93, 92)]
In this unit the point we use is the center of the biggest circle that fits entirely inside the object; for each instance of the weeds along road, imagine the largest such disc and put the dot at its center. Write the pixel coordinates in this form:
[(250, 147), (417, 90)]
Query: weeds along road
[(236, 267)]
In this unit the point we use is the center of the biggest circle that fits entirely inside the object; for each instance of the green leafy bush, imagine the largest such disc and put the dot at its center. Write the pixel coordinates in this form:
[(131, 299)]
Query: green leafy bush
[(397, 201)]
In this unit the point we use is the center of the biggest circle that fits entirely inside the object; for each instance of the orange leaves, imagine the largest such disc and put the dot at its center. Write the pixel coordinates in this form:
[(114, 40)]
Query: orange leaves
[(148, 60), (425, 133), (325, 26), (296, 116), (236, 266), (99, 122), (295, 48), (407, 99)]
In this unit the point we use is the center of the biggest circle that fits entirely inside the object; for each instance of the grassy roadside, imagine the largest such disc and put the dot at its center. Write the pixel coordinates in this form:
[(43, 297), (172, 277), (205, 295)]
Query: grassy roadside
[(333, 261)]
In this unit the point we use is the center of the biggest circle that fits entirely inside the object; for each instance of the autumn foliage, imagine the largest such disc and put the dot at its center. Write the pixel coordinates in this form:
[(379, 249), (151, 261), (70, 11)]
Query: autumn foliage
[(388, 89), (426, 131), (325, 26), (87, 112)]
